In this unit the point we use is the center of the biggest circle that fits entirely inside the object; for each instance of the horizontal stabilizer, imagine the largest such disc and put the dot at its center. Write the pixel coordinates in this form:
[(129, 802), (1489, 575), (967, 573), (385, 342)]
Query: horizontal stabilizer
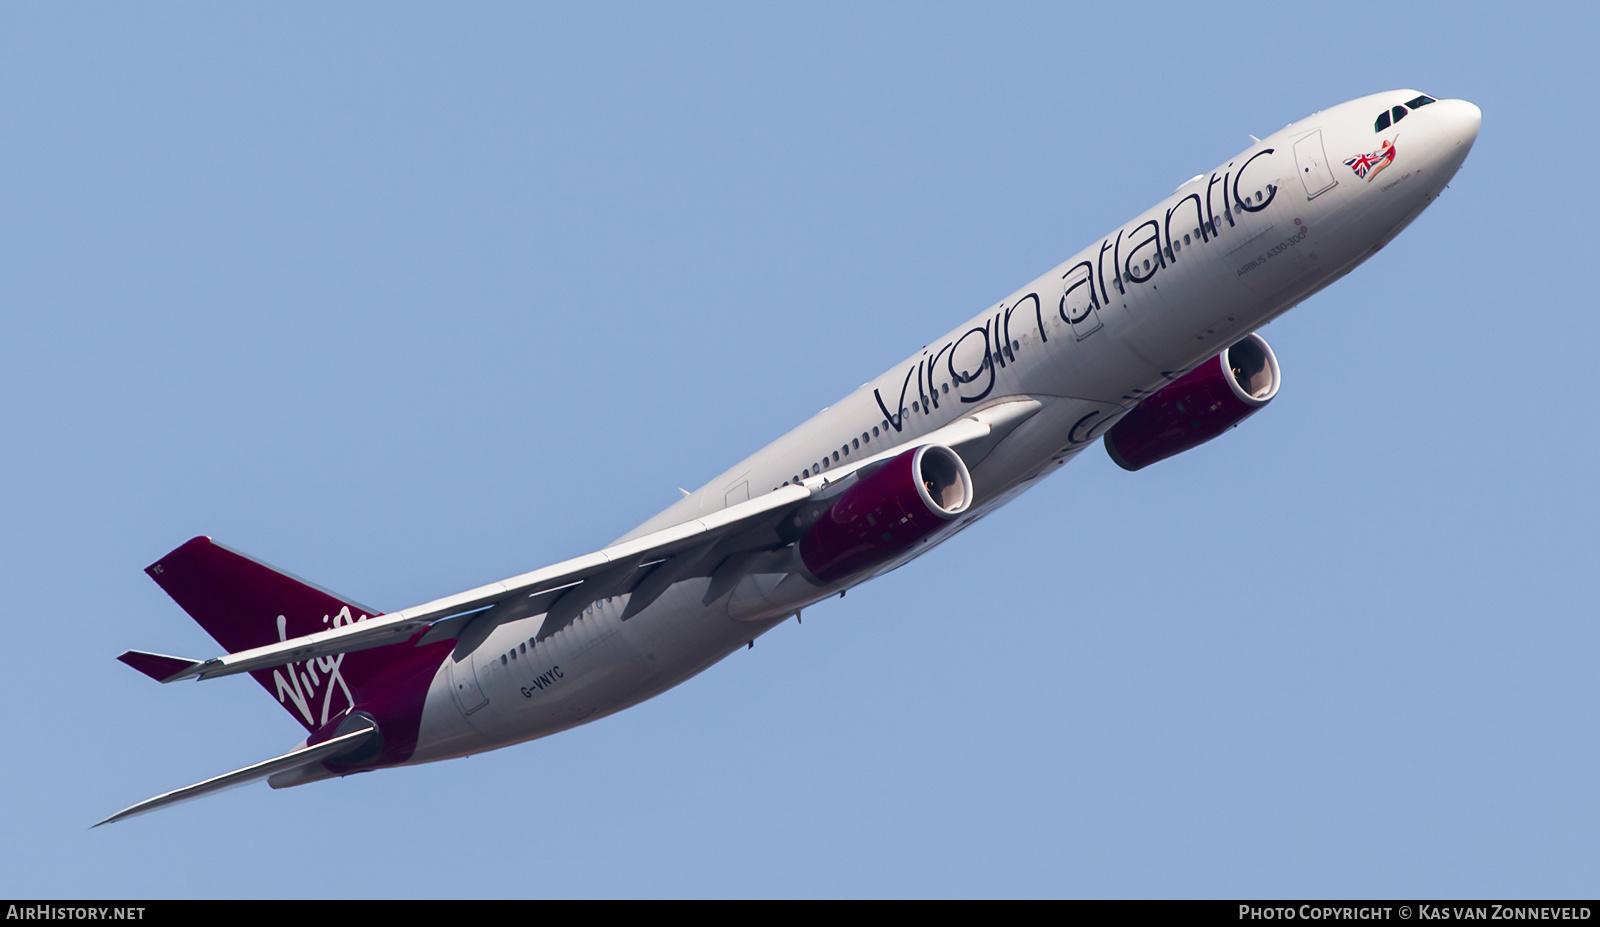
[(157, 666), (344, 743)]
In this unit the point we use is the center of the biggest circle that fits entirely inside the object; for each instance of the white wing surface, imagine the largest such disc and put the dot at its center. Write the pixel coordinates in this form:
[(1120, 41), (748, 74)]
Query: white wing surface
[(564, 589), (294, 758)]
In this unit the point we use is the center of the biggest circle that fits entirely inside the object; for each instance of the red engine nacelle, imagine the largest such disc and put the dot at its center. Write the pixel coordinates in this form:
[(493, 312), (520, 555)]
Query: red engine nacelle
[(1196, 407), (887, 511)]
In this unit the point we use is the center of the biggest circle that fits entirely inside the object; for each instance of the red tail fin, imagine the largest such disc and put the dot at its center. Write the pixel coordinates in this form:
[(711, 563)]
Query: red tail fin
[(244, 603)]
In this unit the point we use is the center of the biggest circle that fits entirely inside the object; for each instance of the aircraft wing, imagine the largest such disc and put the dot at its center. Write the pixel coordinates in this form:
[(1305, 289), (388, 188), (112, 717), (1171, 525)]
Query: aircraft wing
[(294, 758), (647, 564)]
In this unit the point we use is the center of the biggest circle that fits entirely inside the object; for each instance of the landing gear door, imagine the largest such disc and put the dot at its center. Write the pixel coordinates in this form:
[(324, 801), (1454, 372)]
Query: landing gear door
[(1080, 307), (1313, 162), (464, 685)]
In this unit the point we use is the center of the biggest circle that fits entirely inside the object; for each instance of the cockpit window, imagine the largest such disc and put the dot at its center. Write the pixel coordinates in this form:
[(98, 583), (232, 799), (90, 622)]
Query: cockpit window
[(1393, 116)]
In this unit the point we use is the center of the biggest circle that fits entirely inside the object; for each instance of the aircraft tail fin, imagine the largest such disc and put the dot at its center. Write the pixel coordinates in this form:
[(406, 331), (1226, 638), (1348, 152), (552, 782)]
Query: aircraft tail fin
[(244, 603)]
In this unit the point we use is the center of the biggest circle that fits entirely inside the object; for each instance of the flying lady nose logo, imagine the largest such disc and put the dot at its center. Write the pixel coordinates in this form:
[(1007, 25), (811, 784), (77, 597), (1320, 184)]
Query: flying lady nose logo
[(1368, 165), (315, 678)]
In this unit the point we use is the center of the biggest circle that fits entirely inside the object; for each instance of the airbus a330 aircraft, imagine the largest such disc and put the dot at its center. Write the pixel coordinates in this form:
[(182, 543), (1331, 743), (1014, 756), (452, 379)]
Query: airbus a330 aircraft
[(1143, 340)]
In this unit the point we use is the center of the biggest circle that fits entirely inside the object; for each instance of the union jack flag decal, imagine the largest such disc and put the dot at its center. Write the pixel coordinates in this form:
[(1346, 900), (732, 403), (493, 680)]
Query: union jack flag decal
[(1368, 165)]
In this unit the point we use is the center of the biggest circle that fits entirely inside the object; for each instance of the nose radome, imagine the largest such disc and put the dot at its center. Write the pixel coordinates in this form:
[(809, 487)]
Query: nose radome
[(1463, 120)]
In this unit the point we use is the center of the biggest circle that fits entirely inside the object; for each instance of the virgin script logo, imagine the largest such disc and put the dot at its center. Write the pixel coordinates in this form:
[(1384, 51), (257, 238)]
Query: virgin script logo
[(315, 679)]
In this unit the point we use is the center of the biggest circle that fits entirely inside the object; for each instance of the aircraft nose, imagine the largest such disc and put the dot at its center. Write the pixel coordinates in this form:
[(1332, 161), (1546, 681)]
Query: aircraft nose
[(1461, 122)]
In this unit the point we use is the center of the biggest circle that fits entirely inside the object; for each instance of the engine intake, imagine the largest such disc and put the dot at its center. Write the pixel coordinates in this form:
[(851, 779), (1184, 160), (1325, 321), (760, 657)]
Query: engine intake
[(886, 512), (1198, 406)]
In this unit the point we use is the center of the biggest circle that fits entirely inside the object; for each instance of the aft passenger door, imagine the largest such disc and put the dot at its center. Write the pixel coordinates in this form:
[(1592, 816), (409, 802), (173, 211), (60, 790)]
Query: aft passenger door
[(464, 684)]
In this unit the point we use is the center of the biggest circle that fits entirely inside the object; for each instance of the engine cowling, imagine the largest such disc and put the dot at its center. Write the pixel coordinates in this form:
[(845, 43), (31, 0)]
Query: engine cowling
[(886, 512), (1198, 406)]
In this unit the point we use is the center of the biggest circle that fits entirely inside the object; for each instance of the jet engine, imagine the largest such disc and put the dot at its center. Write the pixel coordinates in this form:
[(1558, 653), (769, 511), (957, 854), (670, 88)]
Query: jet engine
[(1196, 407), (887, 511)]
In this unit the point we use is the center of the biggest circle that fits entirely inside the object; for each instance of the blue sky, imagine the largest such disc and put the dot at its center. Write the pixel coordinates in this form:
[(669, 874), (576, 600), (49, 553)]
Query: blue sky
[(407, 298)]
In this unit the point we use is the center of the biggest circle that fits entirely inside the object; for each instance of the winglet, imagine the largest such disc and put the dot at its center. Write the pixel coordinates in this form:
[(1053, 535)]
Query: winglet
[(158, 666)]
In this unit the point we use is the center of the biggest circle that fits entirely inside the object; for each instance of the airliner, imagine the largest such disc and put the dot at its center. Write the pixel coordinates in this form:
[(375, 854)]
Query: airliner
[(1145, 342)]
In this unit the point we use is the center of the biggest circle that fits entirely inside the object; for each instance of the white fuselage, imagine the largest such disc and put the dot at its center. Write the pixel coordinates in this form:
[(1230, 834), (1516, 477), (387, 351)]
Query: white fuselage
[(1085, 342)]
